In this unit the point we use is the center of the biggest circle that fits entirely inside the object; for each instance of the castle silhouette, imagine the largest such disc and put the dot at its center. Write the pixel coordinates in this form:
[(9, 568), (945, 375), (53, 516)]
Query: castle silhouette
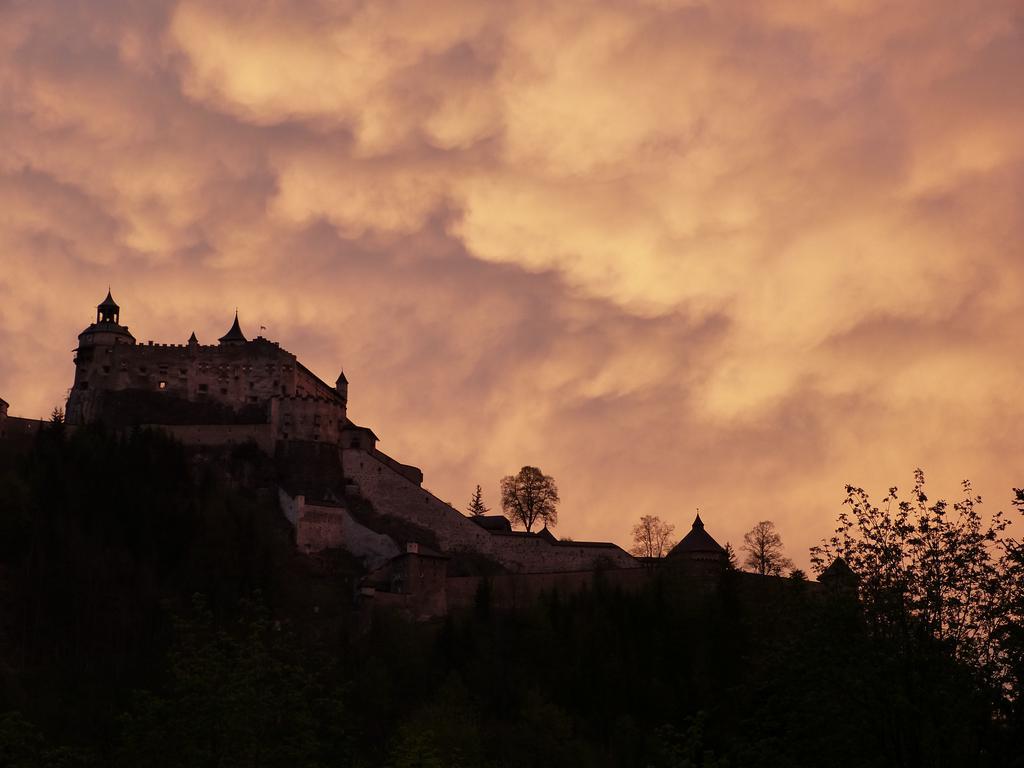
[(240, 391)]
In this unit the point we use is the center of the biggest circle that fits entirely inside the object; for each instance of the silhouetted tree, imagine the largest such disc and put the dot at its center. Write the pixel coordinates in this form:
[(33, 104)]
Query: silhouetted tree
[(731, 563), (528, 497), (476, 504), (762, 545), (930, 568), (57, 415), (652, 537)]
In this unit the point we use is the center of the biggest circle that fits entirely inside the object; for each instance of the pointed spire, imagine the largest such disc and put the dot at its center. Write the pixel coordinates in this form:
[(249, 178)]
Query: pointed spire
[(698, 544), (235, 335), (192, 339), (109, 301)]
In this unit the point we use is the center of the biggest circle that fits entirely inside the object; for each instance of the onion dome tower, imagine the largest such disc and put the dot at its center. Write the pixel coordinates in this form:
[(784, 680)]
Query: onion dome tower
[(233, 337)]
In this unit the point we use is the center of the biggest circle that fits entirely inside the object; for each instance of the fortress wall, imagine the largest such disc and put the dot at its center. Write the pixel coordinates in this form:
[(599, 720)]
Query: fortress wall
[(535, 555), (16, 427), (319, 528), (236, 376), (392, 493), (220, 434), (521, 590), (308, 418), (323, 526)]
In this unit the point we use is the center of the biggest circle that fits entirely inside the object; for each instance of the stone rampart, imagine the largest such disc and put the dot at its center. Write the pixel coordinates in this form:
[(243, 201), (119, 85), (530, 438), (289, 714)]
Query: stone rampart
[(392, 493), (514, 591), (307, 417)]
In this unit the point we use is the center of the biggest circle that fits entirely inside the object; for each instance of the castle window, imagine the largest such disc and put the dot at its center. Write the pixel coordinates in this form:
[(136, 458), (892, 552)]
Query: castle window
[(106, 369), (252, 398), (143, 369), (182, 371), (223, 390), (252, 385), (162, 385), (204, 387)]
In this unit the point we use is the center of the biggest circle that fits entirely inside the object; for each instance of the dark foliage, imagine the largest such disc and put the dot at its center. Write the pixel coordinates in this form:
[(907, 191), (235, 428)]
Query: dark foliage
[(111, 658)]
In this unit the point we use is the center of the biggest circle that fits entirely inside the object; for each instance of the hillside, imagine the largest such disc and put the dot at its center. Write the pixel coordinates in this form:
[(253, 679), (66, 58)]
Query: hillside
[(154, 611)]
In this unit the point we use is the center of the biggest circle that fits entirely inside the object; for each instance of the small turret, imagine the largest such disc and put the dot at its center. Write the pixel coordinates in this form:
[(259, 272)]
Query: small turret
[(108, 311), (341, 386), (235, 335), (192, 340)]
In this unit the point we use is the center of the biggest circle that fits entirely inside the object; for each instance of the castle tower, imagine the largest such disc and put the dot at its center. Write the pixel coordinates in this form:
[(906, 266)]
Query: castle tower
[(698, 547), (93, 358), (234, 337)]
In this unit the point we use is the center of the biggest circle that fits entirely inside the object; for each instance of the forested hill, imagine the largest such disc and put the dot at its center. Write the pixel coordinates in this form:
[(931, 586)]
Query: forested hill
[(153, 612)]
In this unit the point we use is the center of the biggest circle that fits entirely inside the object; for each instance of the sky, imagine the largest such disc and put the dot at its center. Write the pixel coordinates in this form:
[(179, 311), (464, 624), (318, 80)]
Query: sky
[(724, 255)]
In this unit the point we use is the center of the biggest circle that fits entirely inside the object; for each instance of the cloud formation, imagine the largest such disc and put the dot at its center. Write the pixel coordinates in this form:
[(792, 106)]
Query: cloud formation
[(674, 253)]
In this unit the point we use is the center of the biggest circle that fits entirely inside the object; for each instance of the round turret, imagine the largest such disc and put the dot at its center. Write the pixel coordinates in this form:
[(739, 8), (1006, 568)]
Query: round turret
[(94, 359), (107, 329)]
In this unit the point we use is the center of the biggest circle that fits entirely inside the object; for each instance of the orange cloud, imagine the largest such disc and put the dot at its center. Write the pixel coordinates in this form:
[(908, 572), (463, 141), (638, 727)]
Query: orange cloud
[(675, 253)]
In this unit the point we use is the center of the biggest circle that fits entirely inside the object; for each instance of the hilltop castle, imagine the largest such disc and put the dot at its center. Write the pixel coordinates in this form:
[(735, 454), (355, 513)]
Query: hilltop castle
[(334, 486), (240, 390)]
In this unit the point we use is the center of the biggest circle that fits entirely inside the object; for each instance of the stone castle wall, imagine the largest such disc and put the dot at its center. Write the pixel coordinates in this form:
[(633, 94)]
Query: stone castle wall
[(235, 376), (307, 417), (214, 435), (394, 493), (510, 592)]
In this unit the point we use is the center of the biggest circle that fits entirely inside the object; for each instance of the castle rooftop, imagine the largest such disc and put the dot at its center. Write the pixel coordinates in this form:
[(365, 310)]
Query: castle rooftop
[(234, 335), (697, 542)]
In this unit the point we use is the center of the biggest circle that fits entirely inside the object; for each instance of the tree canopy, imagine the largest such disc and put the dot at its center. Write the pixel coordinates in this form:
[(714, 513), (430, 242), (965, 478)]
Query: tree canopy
[(762, 547), (652, 537), (530, 497)]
